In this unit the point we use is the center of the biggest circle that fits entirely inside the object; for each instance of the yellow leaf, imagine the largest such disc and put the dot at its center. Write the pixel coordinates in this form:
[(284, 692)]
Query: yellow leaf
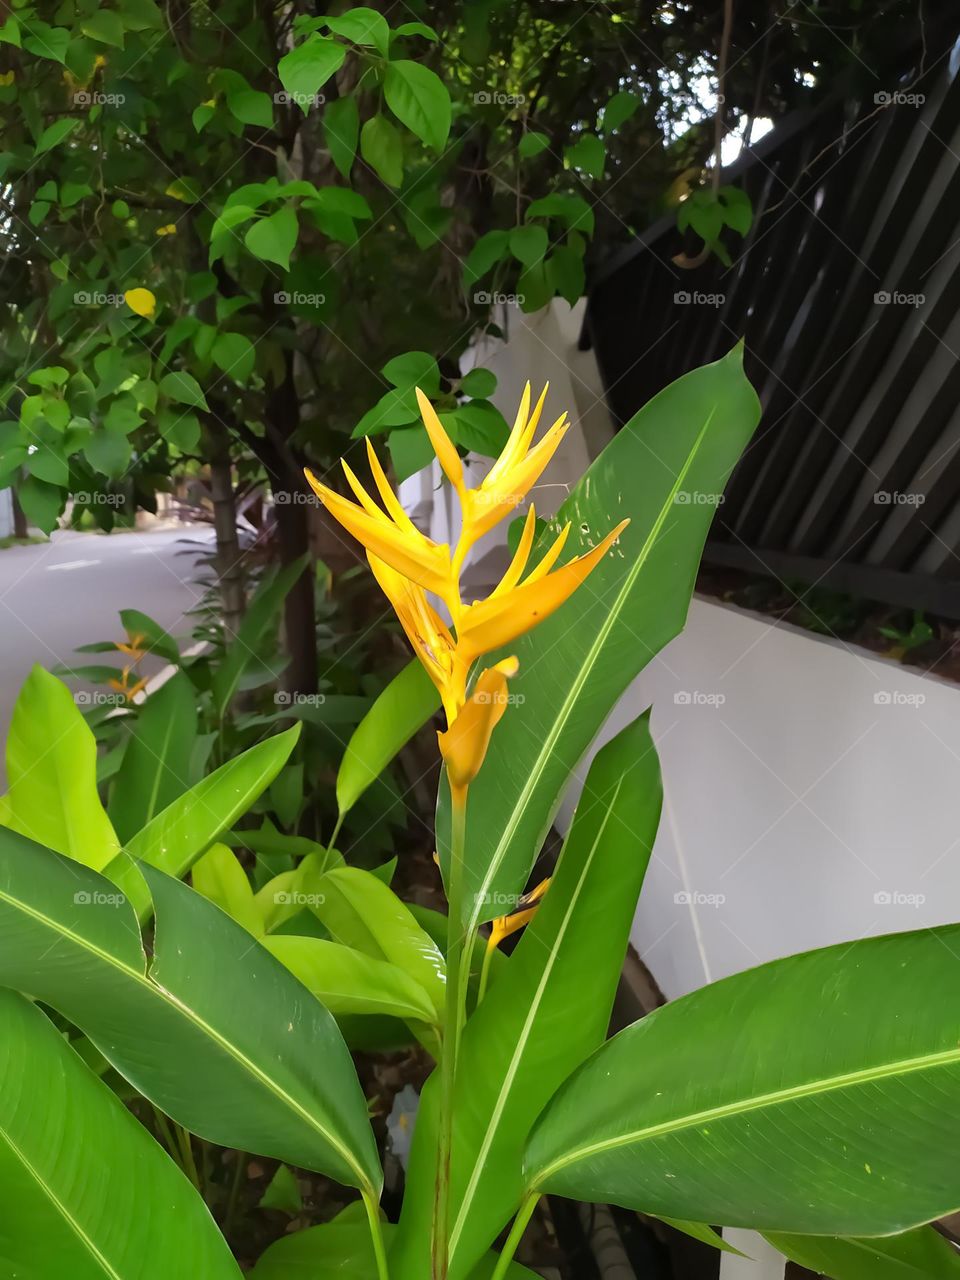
[(141, 301)]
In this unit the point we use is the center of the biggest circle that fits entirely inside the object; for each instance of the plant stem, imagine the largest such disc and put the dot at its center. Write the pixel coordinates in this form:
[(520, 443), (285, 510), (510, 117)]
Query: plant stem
[(235, 1181), (453, 1018), (485, 972), (336, 830), (516, 1233), (376, 1234), (186, 1150)]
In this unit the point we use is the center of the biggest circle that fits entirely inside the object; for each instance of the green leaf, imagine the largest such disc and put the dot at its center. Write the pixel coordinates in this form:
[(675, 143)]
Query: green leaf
[(619, 110), (41, 502), (488, 251), (262, 614), (362, 26), (272, 239), (416, 29), (234, 354), (528, 244), (360, 911), (221, 879), (179, 834), (153, 638), (308, 68), (341, 132), (598, 642), (916, 1255), (545, 1014), (216, 1033), (571, 210), (52, 774), (155, 768), (418, 98), (479, 383), (414, 369), (382, 149), (109, 453), (47, 42), (588, 154), (832, 1138), (479, 427), (410, 451), (566, 272), (131, 1213), (55, 133), (53, 375), (104, 26), (183, 388), (282, 1193), (531, 144), (343, 1248), (348, 981), (404, 706), (250, 106)]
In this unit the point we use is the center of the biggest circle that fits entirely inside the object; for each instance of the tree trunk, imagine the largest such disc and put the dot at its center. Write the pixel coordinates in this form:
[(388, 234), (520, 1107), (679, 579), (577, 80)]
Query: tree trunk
[(299, 615), (20, 529), (229, 570)]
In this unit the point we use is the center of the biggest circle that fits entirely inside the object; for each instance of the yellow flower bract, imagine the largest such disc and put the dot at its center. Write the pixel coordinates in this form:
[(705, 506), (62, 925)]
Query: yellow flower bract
[(407, 565)]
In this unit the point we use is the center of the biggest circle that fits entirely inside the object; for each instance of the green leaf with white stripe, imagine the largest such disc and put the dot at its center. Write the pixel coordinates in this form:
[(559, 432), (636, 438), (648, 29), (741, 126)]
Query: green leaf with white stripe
[(86, 1191), (547, 1011), (216, 1032), (915, 1255), (665, 470), (816, 1095)]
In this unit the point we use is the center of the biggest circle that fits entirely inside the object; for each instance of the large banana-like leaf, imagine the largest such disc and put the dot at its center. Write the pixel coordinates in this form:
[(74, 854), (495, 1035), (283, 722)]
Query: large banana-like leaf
[(52, 772), (156, 763), (665, 470), (817, 1095), (177, 836), (916, 1255), (86, 1192), (548, 1010), (342, 1249), (404, 706), (217, 1033)]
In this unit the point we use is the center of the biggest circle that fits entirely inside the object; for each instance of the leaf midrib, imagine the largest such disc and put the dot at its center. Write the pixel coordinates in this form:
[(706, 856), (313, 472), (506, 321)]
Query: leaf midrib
[(154, 987), (759, 1102), (72, 1222), (521, 1044), (593, 654)]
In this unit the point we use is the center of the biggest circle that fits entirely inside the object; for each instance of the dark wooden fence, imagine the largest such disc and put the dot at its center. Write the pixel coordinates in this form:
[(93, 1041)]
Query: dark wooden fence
[(847, 292)]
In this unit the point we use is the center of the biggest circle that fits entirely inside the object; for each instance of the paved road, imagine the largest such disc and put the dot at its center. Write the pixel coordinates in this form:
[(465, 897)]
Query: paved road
[(69, 591)]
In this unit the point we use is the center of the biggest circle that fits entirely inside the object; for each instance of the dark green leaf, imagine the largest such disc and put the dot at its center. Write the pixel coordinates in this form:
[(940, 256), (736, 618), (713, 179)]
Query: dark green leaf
[(419, 99)]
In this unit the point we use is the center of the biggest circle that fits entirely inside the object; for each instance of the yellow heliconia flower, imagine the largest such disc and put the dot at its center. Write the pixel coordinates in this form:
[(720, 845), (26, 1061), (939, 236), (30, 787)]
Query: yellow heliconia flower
[(134, 648), (124, 686), (503, 926), (407, 564), (141, 301)]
